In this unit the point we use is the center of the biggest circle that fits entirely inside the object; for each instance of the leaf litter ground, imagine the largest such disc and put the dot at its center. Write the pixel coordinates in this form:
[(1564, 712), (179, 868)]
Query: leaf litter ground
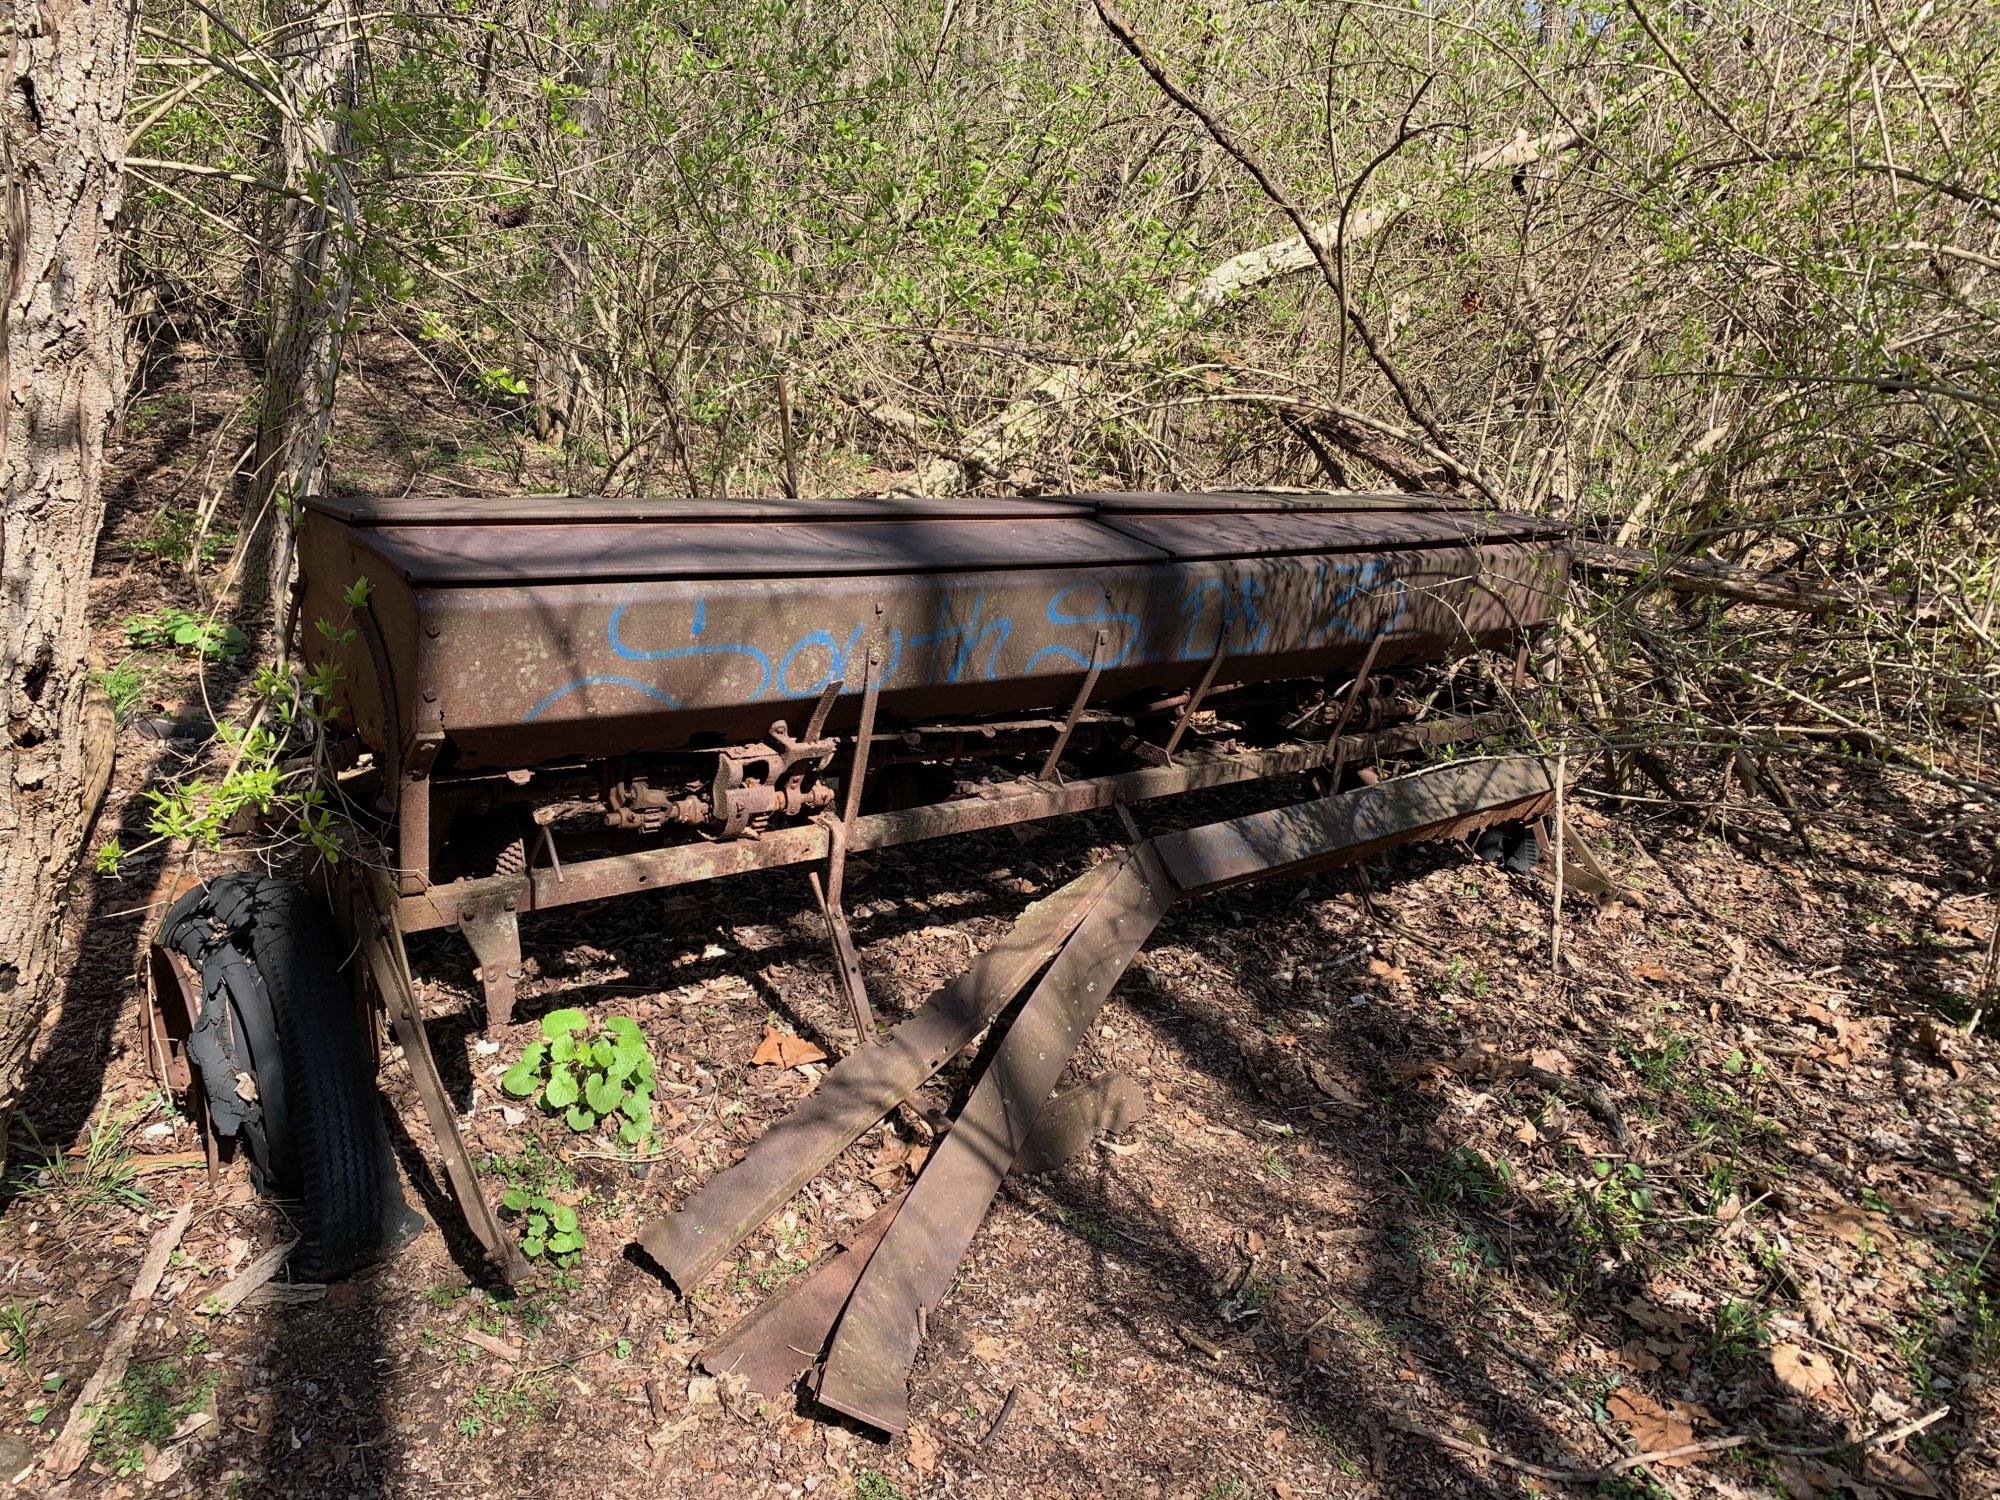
[(1406, 1196)]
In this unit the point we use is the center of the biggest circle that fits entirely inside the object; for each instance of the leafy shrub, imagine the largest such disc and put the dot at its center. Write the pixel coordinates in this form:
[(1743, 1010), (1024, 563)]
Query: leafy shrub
[(176, 629), (548, 1228), (589, 1075)]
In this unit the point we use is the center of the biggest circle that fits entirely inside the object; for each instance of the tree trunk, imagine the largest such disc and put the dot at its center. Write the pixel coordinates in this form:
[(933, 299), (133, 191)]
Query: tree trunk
[(309, 283), (62, 367)]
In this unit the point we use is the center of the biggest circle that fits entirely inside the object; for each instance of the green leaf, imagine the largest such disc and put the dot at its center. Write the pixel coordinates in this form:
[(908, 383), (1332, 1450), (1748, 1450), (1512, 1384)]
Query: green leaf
[(631, 1132), (625, 1029), (644, 1071), (563, 1244), (603, 1094), (521, 1080), (514, 1200), (602, 1053), (562, 1022), (563, 1049), (533, 1245), (538, 1223), (564, 1218), (638, 1108), (580, 1118), (562, 1089)]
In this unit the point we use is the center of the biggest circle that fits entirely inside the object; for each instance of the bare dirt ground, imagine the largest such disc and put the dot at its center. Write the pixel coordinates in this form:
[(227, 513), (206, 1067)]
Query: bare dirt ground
[(1417, 1211)]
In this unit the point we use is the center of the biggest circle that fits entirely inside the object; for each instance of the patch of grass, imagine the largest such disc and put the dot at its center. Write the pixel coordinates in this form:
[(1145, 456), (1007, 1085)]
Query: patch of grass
[(533, 1169), (1086, 1226), (870, 1485), (1462, 1176), (1324, 1435), (1739, 1331), (19, 1327), (125, 685), (527, 1399), (153, 1399), (1225, 1489), (101, 1174)]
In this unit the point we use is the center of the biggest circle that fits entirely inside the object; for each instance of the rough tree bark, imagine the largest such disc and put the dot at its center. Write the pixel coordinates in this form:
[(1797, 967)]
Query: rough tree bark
[(62, 365), (309, 283)]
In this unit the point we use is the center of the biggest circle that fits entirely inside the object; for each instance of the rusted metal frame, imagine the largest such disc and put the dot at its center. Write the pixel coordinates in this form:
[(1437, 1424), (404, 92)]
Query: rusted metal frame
[(1193, 705), (867, 1367), (1307, 836), (413, 813), (389, 968), (493, 931), (865, 1086), (1083, 692), (864, 738), (783, 1337), (1347, 709), (846, 962), (1015, 802)]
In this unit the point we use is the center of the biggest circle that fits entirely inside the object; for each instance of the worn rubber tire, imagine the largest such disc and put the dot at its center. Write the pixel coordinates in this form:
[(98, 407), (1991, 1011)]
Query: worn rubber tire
[(317, 1134)]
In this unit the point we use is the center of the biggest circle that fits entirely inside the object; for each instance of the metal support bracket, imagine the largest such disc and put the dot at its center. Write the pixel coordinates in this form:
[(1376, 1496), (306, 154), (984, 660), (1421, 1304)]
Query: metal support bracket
[(494, 931), (1347, 712), (1049, 772), (389, 969), (1193, 705), (846, 963)]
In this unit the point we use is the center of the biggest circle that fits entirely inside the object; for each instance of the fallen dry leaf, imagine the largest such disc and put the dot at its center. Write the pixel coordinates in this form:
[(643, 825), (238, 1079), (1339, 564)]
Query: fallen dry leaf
[(1550, 1060), (1802, 1372), (1653, 1427), (1861, 1227), (1901, 1474), (1654, 972), (988, 1350), (1636, 1357), (1332, 1087), (922, 1450), (782, 1049)]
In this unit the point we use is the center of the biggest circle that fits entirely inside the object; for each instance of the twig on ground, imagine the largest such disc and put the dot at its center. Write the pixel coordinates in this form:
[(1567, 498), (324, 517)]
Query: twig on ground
[(224, 1301), (1686, 1450), (68, 1450)]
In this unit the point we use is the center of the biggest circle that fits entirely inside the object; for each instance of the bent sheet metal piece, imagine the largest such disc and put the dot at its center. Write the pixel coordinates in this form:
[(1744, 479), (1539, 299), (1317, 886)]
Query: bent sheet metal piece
[(864, 1086), (785, 1336), (867, 1369)]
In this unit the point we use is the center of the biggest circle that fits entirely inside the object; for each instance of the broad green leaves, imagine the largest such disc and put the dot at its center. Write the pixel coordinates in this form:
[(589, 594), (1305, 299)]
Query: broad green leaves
[(589, 1076), (548, 1228)]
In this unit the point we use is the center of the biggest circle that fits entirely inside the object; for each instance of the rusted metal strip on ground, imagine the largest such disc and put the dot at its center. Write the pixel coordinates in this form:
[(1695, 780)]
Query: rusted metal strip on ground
[(785, 1336), (1072, 1120), (388, 966), (865, 1086), (1010, 803), (1337, 830), (867, 1369)]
